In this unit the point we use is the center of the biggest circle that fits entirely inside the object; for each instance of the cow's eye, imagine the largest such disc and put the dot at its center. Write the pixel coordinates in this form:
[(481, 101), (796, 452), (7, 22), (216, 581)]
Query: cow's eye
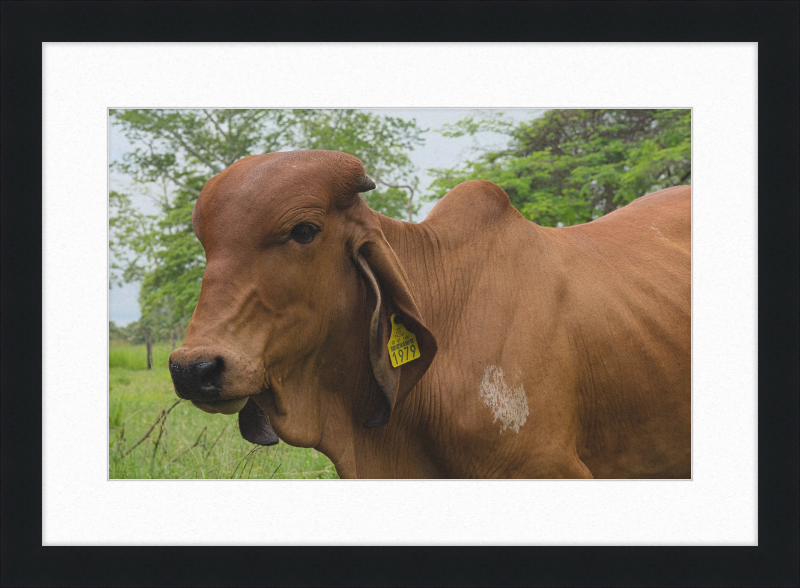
[(304, 233)]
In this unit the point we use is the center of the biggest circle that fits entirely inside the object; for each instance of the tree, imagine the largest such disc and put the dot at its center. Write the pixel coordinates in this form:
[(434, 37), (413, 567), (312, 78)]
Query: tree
[(177, 151), (572, 166)]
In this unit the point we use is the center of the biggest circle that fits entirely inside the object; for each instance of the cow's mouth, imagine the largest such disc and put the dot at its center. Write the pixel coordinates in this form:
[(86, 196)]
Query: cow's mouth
[(233, 405), (221, 406)]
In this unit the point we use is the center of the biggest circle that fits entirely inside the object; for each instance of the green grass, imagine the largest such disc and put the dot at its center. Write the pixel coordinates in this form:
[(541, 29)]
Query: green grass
[(186, 442), (134, 357)]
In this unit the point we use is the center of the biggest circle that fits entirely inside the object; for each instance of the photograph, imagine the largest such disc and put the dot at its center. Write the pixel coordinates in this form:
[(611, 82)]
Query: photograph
[(515, 283), (400, 293)]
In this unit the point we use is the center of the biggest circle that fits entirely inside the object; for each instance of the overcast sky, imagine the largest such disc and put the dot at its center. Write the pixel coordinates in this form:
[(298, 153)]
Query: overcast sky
[(438, 152)]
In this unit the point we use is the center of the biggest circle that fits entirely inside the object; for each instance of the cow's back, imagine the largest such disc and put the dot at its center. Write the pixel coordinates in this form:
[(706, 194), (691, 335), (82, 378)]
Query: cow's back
[(665, 215)]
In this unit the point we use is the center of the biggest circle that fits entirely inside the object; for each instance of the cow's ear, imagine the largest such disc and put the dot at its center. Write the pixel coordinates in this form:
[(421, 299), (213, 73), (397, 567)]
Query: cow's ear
[(391, 291)]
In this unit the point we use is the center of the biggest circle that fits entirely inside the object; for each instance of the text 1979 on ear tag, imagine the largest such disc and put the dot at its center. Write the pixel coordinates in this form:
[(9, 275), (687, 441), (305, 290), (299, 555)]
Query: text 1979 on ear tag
[(402, 345)]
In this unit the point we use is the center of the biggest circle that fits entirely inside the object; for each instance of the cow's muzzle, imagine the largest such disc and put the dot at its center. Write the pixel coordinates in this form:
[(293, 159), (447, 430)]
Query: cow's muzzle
[(215, 380), (199, 380)]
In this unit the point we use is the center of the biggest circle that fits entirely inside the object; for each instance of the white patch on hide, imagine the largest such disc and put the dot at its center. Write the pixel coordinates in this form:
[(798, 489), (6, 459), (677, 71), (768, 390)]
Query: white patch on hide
[(508, 405), (659, 233)]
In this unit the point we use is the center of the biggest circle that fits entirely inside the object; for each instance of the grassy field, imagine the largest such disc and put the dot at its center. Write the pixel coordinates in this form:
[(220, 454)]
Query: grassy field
[(153, 434)]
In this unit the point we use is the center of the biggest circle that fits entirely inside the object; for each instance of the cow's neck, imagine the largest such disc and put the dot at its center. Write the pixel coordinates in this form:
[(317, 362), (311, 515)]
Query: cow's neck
[(418, 250), (395, 450), (403, 448)]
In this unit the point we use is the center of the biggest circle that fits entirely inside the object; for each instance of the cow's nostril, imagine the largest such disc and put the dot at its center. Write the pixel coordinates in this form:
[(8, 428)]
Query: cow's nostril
[(199, 380), (210, 372)]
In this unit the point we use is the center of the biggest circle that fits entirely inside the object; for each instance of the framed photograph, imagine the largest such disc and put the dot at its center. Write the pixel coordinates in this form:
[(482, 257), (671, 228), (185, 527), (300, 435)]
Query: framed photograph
[(733, 523)]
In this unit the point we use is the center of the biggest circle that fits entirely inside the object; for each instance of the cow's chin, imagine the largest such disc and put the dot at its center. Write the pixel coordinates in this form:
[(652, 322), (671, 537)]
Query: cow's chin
[(221, 406)]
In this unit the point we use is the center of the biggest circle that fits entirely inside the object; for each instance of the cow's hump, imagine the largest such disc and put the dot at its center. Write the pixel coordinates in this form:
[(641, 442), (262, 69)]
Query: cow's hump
[(476, 200)]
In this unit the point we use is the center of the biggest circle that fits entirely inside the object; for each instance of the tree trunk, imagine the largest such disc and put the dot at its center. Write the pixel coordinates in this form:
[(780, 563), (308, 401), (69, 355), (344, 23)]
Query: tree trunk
[(172, 338), (148, 341)]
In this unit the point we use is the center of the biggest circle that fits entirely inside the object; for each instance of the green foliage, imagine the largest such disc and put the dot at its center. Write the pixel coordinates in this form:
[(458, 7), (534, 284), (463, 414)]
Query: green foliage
[(187, 442), (392, 202), (117, 333), (127, 228), (184, 145), (572, 166)]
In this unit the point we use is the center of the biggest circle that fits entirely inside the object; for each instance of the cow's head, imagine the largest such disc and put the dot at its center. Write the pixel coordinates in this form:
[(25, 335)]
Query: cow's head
[(294, 255)]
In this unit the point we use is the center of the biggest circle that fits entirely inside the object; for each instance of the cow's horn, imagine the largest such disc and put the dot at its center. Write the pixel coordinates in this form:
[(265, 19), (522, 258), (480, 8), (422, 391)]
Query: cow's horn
[(364, 184)]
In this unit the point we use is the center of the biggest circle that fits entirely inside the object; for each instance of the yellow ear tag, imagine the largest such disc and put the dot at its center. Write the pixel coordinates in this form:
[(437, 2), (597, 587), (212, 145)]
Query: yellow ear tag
[(402, 345)]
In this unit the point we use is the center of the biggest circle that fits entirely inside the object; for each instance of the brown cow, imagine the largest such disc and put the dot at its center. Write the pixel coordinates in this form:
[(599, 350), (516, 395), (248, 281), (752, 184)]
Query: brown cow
[(537, 352)]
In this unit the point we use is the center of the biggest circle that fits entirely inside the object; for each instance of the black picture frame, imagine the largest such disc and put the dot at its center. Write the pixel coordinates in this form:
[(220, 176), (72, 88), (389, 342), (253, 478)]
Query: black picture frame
[(774, 25)]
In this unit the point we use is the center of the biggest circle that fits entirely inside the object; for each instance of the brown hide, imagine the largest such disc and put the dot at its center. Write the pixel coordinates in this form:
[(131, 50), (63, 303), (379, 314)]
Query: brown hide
[(546, 353)]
